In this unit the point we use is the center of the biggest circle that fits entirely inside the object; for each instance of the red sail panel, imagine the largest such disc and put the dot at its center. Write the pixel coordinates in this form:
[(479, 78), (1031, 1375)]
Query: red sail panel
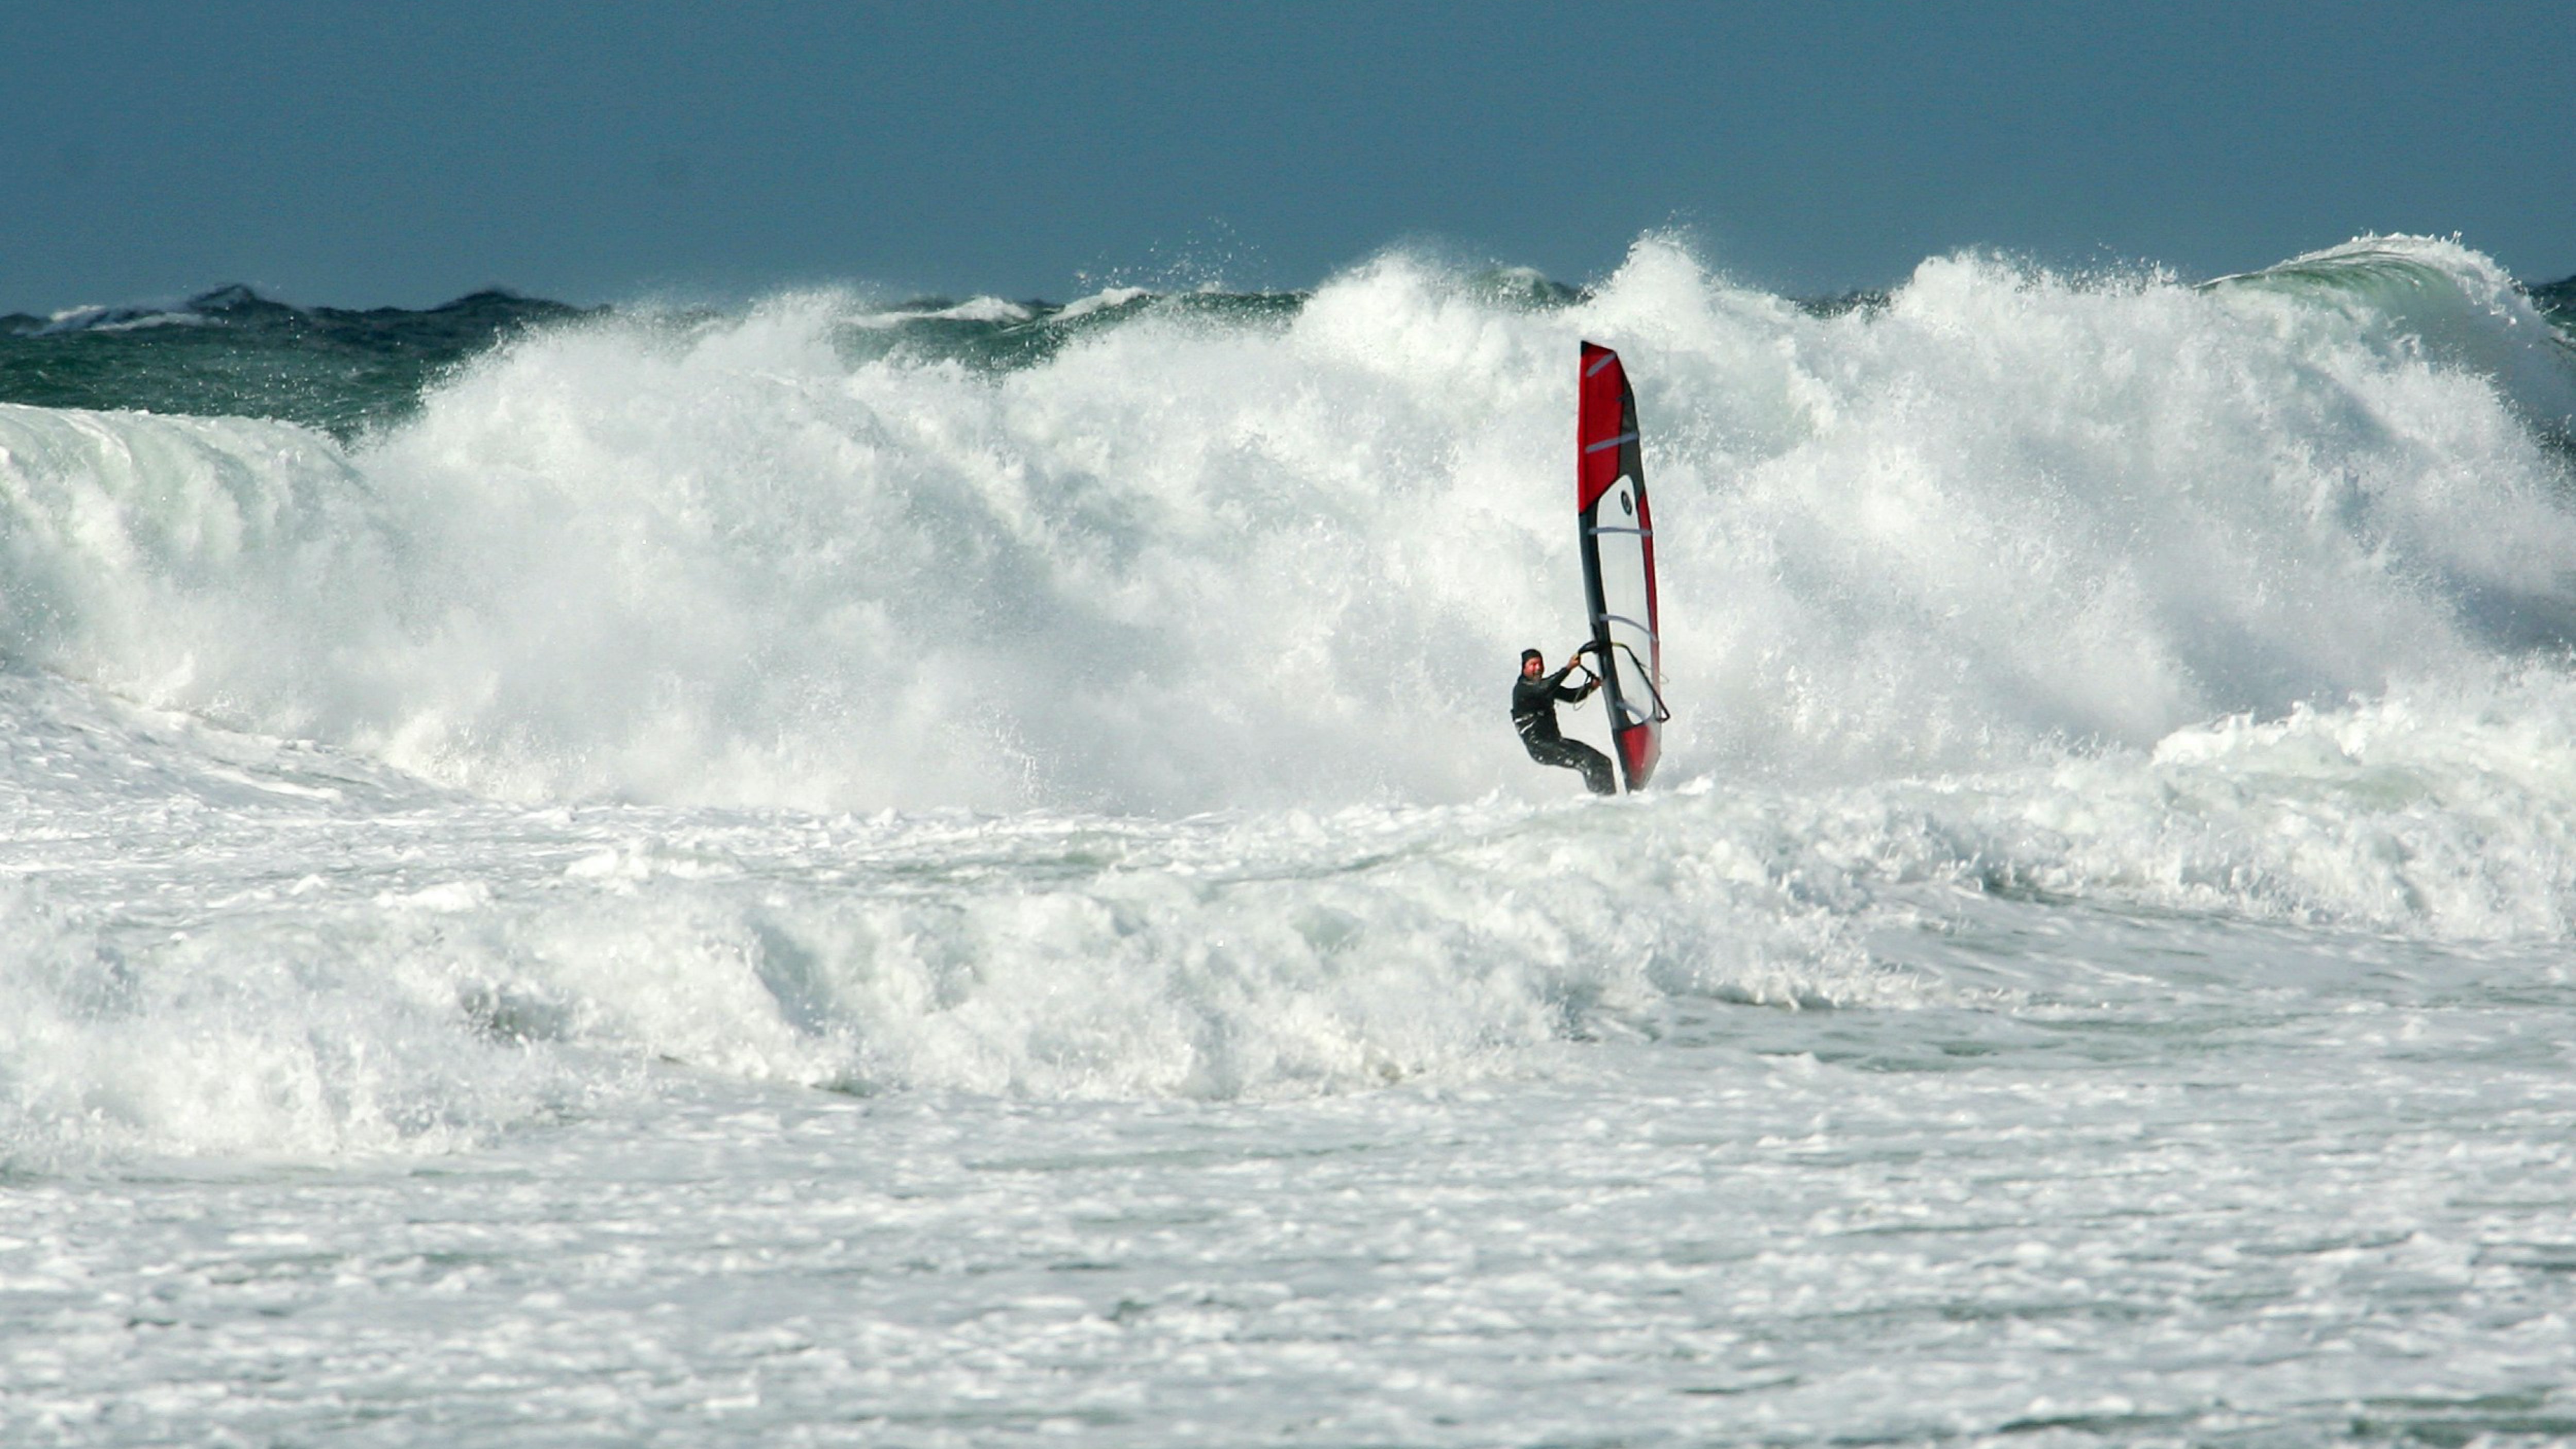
[(1605, 425)]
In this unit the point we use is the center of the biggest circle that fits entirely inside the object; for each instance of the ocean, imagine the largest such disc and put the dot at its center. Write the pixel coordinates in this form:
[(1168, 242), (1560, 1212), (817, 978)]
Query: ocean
[(851, 870)]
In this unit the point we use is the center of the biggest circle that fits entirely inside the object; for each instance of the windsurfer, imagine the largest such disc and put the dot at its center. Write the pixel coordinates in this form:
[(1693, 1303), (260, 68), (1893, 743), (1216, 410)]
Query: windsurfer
[(1534, 700)]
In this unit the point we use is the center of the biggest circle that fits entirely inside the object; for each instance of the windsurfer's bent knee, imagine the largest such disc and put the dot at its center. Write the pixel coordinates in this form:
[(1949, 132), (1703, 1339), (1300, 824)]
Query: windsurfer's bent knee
[(1534, 700)]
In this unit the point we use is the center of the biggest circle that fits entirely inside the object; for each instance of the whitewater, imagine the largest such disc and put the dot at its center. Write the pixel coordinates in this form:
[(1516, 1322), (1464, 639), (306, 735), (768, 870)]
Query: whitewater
[(957, 873)]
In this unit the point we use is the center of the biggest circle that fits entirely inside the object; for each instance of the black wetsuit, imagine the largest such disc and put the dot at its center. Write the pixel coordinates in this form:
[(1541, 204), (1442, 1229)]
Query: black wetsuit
[(1534, 715)]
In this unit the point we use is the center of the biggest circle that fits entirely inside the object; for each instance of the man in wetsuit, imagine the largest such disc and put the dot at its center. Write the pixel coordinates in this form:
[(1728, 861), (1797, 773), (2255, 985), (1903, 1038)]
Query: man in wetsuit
[(1534, 715)]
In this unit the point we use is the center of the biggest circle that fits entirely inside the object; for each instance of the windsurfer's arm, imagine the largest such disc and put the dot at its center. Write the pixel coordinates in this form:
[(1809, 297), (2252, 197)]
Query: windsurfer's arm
[(1556, 682)]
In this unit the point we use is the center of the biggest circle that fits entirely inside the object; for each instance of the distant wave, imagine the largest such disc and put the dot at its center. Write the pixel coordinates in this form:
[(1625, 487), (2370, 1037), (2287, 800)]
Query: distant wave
[(233, 353)]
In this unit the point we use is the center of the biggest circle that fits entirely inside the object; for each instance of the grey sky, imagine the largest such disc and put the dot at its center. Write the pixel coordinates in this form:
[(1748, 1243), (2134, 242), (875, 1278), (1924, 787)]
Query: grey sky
[(363, 154)]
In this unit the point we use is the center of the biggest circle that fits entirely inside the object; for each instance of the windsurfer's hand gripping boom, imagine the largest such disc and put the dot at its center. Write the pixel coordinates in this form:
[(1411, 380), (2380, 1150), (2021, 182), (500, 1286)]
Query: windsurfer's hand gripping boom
[(1591, 672)]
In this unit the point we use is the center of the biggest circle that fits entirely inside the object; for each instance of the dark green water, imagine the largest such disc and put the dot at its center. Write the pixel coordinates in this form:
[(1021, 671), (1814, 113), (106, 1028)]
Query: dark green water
[(233, 353)]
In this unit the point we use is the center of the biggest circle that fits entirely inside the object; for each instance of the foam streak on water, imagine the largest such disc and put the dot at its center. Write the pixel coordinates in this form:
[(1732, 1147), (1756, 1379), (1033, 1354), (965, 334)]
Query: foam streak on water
[(737, 881)]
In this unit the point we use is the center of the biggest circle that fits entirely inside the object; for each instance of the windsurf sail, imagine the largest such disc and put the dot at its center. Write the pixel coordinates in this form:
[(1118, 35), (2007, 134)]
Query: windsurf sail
[(1619, 563)]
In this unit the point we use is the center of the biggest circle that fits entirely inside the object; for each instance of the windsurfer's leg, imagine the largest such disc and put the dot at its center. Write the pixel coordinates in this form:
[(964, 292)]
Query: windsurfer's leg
[(1575, 755), (1595, 767)]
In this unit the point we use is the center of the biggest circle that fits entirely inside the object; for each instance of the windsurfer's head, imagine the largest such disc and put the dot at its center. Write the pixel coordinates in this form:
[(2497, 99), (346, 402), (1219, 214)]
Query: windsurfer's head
[(1532, 661)]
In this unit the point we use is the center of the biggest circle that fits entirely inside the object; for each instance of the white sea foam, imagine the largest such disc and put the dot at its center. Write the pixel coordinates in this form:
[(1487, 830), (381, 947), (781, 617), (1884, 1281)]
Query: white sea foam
[(1186, 564), (217, 944), (1103, 300), (129, 317), (974, 309), (2094, 967), (694, 695)]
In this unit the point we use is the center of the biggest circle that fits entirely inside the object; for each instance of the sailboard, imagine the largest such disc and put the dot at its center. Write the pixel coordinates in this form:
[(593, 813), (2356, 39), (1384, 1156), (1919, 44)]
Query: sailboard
[(1619, 563)]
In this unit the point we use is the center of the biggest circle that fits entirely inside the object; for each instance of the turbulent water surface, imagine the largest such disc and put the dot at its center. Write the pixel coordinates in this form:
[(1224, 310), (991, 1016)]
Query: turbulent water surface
[(956, 873)]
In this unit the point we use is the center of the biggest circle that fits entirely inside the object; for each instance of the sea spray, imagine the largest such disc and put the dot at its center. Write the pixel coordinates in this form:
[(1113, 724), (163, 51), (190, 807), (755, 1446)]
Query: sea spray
[(757, 694), (1191, 560), (796, 873)]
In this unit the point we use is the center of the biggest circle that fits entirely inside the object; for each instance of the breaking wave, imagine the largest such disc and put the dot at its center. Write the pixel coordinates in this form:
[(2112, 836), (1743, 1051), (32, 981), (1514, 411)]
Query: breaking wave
[(1204, 558), (1109, 701)]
